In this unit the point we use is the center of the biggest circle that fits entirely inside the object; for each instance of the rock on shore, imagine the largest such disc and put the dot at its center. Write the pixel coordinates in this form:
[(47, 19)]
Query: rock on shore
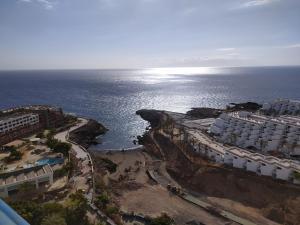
[(151, 115), (154, 116), (203, 113), (85, 135)]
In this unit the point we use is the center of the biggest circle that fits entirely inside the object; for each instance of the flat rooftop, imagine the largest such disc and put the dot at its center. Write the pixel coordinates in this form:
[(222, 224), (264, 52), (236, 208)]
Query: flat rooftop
[(260, 119), (202, 138), (202, 124), (31, 107), (267, 159), (24, 174)]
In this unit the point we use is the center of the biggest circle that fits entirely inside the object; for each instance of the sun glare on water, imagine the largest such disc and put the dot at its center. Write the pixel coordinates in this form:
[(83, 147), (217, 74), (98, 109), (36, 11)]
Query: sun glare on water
[(182, 71)]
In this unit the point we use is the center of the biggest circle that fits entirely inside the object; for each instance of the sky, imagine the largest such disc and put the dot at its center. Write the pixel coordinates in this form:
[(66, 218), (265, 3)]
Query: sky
[(90, 34)]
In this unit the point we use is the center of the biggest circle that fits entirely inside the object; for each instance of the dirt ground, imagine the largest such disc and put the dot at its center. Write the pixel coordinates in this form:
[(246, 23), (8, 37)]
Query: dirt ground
[(28, 156), (260, 199), (136, 192)]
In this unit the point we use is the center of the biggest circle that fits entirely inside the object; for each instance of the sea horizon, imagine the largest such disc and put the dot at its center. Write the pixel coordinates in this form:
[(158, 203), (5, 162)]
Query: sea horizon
[(113, 96), (147, 68)]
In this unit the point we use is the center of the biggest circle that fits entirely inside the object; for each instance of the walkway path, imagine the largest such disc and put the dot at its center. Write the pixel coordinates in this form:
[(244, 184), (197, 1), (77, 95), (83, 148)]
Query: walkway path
[(81, 180), (164, 180), (64, 136)]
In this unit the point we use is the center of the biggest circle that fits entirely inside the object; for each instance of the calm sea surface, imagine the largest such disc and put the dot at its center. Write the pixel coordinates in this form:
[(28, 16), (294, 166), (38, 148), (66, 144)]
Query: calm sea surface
[(113, 96)]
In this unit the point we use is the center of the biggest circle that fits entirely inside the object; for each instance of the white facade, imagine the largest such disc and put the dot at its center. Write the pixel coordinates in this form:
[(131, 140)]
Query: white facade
[(228, 158), (282, 107), (218, 152), (258, 132), (252, 165), (240, 158), (239, 161), (35, 175), (282, 173), (10, 123), (267, 169)]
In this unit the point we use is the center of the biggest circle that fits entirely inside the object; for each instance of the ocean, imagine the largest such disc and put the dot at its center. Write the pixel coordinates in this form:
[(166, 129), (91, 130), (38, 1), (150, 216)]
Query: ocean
[(113, 96)]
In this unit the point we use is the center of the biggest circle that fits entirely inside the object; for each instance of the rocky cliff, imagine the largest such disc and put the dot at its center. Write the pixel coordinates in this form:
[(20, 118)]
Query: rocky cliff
[(85, 135)]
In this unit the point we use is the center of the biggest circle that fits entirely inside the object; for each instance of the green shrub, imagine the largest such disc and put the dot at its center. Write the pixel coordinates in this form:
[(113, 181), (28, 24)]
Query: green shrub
[(13, 156), (54, 219), (102, 200), (164, 219), (110, 165), (58, 146), (110, 210), (296, 175)]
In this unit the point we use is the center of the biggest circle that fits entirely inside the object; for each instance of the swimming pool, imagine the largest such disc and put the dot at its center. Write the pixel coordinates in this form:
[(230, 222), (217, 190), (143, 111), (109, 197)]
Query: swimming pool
[(50, 161)]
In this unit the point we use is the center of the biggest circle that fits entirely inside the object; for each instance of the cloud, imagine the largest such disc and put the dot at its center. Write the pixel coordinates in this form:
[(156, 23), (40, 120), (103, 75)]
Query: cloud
[(47, 4), (291, 46), (288, 46), (254, 3), (225, 49)]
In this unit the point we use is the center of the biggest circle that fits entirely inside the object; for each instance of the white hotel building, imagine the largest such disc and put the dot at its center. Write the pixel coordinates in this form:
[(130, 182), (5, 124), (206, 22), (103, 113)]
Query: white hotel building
[(282, 107), (204, 145), (282, 169), (10, 123), (192, 133), (258, 132)]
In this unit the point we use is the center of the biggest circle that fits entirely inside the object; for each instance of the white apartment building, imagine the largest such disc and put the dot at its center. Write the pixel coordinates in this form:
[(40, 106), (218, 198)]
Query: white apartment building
[(263, 165), (282, 169), (10, 123), (186, 133), (281, 107), (248, 130), (38, 175)]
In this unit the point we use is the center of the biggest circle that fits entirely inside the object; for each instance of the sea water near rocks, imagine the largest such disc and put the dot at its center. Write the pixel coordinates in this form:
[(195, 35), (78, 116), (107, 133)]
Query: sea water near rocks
[(113, 96)]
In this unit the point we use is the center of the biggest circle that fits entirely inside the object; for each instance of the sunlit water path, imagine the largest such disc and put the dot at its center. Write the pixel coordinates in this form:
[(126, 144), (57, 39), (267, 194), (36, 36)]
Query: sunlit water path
[(113, 96)]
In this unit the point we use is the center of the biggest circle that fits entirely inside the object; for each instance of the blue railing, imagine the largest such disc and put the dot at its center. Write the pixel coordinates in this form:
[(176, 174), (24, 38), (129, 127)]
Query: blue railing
[(8, 216)]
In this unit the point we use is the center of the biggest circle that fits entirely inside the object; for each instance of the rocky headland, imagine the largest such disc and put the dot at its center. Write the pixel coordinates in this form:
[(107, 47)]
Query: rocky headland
[(202, 112), (87, 134)]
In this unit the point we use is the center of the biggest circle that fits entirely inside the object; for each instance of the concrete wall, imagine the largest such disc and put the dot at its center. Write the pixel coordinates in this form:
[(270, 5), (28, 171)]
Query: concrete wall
[(228, 158), (238, 162), (267, 169), (252, 165), (4, 189), (283, 173), (219, 158)]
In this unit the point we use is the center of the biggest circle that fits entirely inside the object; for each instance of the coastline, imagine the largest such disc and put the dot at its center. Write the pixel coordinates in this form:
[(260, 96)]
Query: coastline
[(243, 193), (170, 177), (86, 134)]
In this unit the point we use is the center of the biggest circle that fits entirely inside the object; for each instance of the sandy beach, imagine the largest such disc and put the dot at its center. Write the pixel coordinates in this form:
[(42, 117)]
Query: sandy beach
[(134, 191)]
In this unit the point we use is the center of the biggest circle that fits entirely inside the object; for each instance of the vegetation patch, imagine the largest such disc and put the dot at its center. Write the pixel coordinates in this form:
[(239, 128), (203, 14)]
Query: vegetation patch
[(58, 146), (73, 212), (64, 171), (14, 155), (109, 165)]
